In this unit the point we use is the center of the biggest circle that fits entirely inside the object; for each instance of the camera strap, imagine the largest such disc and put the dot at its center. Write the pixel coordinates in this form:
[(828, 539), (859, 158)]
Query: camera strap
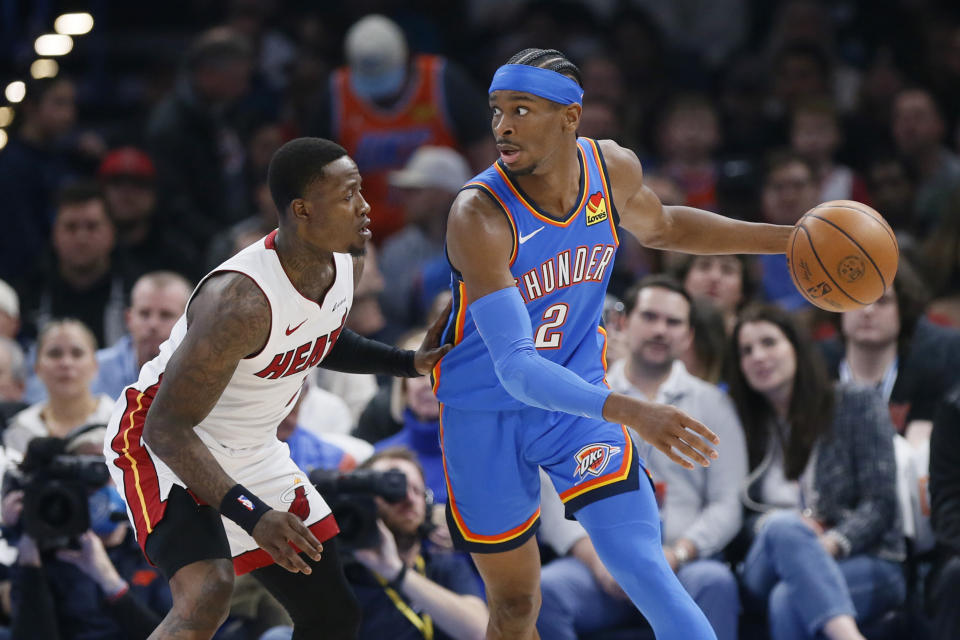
[(423, 622)]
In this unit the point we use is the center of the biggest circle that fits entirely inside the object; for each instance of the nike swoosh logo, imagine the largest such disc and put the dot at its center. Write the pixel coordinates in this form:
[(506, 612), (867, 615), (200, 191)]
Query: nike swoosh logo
[(523, 239), (289, 330)]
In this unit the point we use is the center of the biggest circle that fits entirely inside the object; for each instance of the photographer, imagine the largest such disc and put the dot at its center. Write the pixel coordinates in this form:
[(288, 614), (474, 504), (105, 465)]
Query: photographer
[(405, 591), (79, 573)]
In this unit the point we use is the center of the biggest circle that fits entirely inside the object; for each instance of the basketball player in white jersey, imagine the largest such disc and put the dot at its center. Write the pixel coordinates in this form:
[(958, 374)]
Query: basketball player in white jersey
[(192, 444)]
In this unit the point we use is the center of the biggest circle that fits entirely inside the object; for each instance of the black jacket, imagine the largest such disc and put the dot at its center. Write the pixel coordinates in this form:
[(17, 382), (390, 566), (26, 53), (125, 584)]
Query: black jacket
[(925, 373), (945, 474), (186, 139)]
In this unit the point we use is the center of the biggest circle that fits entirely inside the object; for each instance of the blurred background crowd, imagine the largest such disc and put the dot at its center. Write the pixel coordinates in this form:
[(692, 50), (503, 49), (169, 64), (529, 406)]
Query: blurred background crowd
[(134, 142)]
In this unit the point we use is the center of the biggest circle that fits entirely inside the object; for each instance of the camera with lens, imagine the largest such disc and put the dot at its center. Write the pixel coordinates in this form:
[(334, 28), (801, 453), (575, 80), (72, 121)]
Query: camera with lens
[(351, 498), (56, 488)]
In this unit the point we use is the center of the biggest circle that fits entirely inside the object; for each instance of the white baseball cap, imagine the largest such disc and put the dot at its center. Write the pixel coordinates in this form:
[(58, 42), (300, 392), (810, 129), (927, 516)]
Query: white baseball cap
[(9, 301), (439, 167), (376, 51)]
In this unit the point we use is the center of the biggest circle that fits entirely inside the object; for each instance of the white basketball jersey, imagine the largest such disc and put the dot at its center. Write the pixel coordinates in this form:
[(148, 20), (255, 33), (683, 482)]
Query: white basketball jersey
[(266, 385)]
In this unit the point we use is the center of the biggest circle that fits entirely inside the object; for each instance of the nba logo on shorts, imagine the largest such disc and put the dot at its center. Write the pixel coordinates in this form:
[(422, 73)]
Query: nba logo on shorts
[(593, 459), (246, 502)]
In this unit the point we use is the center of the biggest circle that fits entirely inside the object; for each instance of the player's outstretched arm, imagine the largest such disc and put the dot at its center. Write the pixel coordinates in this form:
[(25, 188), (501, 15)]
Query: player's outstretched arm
[(667, 428), (681, 228), (227, 320), (479, 243), (353, 353)]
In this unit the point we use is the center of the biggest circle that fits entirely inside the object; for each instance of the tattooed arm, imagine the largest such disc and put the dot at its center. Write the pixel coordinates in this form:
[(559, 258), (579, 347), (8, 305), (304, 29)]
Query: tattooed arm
[(228, 320)]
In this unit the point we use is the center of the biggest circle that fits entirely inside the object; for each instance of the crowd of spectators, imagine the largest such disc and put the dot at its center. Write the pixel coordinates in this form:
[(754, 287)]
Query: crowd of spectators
[(835, 505)]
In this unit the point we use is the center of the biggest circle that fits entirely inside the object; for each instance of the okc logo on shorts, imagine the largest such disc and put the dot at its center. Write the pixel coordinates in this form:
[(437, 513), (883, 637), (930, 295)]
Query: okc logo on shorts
[(246, 502), (593, 459)]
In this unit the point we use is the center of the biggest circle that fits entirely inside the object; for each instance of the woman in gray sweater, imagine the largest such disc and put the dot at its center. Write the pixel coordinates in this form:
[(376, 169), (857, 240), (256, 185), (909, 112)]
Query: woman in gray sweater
[(827, 539)]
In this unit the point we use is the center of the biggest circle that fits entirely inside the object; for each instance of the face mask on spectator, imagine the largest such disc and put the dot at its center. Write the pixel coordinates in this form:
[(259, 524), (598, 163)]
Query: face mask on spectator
[(107, 510)]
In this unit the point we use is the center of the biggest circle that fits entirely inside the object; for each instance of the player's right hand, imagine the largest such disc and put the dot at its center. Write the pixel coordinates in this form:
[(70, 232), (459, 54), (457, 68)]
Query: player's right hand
[(665, 427), (277, 532)]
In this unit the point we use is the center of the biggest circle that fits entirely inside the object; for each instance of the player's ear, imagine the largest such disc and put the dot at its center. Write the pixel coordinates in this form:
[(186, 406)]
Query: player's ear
[(299, 209), (571, 116)]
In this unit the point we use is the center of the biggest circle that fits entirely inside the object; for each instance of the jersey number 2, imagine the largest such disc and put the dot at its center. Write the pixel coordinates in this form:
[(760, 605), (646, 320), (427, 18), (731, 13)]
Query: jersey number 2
[(549, 335)]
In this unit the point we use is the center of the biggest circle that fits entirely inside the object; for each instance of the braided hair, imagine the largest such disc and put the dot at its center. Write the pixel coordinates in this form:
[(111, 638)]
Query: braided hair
[(550, 59)]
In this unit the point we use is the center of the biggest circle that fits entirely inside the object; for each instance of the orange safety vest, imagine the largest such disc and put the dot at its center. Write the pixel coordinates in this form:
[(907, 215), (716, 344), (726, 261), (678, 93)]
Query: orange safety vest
[(382, 140)]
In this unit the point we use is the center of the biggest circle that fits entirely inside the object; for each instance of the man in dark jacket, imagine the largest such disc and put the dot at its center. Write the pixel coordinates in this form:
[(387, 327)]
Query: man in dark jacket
[(81, 276), (944, 581), (148, 239), (890, 346), (194, 137)]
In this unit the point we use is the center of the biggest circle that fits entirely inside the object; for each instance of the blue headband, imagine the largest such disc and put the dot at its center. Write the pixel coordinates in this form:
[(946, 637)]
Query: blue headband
[(547, 84)]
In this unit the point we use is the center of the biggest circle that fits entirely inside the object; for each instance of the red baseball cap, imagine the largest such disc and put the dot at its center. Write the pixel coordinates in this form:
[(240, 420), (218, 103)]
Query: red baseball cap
[(128, 162)]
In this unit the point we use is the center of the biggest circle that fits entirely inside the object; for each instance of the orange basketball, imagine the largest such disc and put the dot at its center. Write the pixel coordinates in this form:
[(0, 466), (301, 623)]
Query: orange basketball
[(842, 255)]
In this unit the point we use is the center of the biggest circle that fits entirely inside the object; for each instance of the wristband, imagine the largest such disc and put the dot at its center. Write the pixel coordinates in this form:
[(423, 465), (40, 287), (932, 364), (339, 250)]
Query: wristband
[(244, 508)]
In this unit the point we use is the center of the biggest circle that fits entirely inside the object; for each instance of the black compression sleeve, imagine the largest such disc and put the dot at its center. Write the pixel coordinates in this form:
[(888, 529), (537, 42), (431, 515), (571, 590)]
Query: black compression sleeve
[(355, 354)]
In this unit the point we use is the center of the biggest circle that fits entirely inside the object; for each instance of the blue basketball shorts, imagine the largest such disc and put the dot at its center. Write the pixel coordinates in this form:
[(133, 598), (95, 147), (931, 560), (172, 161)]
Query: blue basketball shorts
[(491, 460)]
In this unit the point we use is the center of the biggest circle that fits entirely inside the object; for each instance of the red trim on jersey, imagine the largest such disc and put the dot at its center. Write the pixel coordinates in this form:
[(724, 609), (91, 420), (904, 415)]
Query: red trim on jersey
[(141, 486), (200, 501), (270, 242), (258, 558)]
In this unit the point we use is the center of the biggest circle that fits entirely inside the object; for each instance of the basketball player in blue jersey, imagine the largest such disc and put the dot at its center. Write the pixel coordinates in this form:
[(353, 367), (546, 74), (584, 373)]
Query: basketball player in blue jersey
[(531, 241)]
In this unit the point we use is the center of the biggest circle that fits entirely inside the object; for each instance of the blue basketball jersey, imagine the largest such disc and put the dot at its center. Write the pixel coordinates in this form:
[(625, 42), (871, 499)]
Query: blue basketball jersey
[(561, 267)]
